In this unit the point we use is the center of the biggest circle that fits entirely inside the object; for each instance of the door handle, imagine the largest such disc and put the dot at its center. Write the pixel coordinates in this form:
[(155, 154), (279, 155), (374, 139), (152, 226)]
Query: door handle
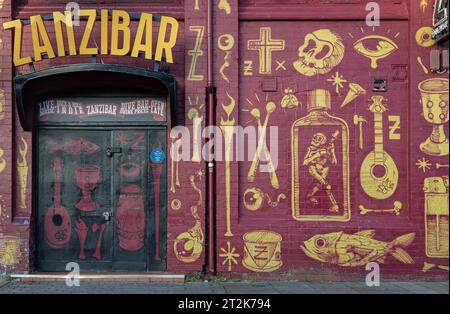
[(107, 216), (110, 151)]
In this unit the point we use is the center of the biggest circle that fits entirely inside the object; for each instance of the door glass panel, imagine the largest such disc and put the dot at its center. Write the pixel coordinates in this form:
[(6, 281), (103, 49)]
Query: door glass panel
[(73, 195)]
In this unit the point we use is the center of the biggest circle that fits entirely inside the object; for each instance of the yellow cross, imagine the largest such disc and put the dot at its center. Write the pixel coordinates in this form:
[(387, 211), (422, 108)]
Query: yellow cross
[(266, 45)]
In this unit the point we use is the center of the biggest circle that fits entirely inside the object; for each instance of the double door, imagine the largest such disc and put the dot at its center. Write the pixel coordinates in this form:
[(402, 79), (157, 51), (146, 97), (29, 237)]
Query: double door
[(101, 199)]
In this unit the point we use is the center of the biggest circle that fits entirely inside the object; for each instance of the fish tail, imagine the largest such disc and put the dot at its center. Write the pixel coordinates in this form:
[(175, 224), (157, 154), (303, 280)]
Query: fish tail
[(402, 256), (398, 246), (404, 240)]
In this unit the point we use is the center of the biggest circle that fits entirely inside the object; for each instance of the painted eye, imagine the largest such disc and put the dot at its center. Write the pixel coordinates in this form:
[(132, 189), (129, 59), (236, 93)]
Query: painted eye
[(320, 243), (375, 48)]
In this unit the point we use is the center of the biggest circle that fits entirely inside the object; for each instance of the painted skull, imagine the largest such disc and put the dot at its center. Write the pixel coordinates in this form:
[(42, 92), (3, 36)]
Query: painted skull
[(318, 140), (321, 51)]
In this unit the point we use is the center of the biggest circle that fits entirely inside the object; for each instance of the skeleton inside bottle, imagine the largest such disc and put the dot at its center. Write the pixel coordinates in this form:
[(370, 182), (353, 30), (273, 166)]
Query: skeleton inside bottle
[(320, 163)]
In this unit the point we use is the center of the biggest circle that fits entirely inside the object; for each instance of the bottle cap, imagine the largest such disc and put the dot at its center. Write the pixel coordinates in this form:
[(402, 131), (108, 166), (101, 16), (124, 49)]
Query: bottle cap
[(319, 99)]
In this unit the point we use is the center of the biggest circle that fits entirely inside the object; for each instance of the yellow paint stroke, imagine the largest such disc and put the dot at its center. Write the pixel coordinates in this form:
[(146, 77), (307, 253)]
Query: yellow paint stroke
[(435, 108), (338, 81), (225, 6), (321, 51), (229, 255), (424, 37), (196, 53), (188, 246), (2, 161), (385, 47), (227, 127), (422, 65), (226, 44), (265, 45), (376, 185), (310, 158), (436, 217), (356, 250), (9, 251), (262, 251), (22, 169)]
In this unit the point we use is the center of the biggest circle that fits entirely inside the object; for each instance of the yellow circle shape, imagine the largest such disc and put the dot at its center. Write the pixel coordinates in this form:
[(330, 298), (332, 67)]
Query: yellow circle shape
[(424, 37)]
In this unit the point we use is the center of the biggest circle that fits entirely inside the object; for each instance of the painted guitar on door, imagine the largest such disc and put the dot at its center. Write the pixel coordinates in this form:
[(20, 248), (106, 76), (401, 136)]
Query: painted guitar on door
[(379, 173)]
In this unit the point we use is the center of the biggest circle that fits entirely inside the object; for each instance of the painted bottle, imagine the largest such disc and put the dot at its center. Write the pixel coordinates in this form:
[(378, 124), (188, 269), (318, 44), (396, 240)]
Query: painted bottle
[(320, 163)]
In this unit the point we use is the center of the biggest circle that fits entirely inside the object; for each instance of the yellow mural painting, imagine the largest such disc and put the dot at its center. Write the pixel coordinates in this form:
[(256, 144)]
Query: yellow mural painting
[(10, 254), (262, 251), (248, 68), (195, 53), (316, 160), (396, 210), (197, 121), (436, 217), (423, 5), (422, 65), (356, 250), (254, 199), (354, 91), (394, 127), (384, 48), (226, 44), (424, 164), (229, 255), (338, 81), (359, 121), (266, 46), (321, 51), (429, 266), (424, 37), (379, 174), (176, 204), (196, 5), (22, 169), (435, 107), (227, 127), (175, 166), (2, 161), (289, 99), (225, 6), (262, 149), (188, 246)]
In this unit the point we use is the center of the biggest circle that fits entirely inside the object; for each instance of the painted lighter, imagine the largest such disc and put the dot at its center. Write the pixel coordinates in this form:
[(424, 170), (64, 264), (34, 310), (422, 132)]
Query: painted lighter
[(436, 217)]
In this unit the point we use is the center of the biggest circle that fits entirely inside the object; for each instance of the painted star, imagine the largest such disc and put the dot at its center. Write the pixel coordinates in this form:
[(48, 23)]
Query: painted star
[(338, 81), (423, 164), (229, 256)]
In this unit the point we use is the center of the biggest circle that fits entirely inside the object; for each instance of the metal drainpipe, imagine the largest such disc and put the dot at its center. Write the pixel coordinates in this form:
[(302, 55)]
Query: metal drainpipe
[(211, 171)]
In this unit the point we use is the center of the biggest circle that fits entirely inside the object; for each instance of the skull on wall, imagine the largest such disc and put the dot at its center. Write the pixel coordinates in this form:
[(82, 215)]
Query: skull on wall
[(321, 51)]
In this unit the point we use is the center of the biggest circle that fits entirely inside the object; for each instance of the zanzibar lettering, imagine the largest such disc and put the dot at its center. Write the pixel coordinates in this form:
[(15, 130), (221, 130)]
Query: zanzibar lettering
[(120, 43), (131, 108)]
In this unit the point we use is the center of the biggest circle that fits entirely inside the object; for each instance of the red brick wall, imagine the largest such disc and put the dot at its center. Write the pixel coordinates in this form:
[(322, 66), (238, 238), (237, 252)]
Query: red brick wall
[(290, 21)]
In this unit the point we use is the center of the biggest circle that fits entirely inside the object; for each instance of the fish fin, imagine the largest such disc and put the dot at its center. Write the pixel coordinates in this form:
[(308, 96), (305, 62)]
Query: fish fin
[(402, 256), (404, 240), (361, 251), (366, 233)]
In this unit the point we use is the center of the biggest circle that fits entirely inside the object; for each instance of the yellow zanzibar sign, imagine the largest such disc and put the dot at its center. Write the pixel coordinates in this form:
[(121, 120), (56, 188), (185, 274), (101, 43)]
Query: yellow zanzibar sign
[(115, 38)]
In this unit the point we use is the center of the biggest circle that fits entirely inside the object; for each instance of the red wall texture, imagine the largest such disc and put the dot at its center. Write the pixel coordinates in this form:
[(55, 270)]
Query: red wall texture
[(277, 60)]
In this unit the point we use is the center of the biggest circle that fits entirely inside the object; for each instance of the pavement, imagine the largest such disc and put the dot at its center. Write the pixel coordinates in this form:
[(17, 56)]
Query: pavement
[(204, 288)]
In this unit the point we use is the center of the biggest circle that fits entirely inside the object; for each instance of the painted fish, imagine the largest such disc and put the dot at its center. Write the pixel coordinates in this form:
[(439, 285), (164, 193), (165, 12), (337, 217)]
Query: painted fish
[(356, 250), (80, 147)]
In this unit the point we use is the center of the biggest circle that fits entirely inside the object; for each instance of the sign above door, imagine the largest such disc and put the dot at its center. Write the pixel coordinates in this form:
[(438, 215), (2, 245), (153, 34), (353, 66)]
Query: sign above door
[(101, 109)]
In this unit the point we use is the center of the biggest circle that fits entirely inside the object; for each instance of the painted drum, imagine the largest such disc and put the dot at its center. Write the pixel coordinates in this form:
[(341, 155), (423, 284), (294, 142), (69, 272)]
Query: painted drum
[(131, 218), (262, 251)]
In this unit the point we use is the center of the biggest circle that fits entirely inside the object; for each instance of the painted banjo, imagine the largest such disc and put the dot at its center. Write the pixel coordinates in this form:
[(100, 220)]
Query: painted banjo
[(57, 223), (379, 173)]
